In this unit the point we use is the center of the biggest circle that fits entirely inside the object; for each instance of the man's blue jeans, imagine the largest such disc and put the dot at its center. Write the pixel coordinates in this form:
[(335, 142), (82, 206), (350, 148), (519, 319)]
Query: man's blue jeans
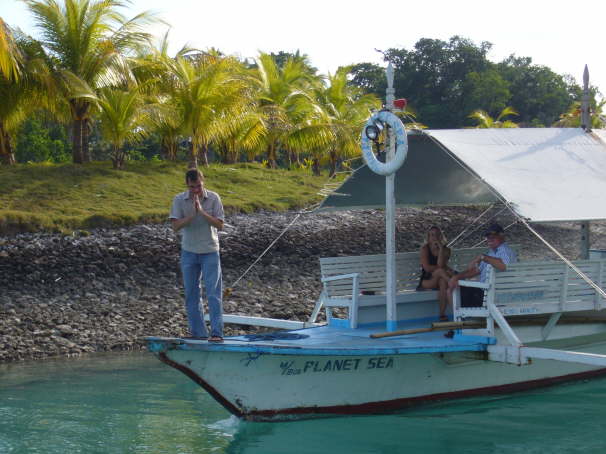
[(209, 267)]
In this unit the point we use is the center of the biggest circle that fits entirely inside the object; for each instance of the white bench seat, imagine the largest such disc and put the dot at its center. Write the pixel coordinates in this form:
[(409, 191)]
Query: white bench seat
[(529, 288), (346, 281)]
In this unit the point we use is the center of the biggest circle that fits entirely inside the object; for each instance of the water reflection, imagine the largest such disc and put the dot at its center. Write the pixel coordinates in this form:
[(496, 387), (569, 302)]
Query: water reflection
[(134, 404), (114, 403), (564, 419)]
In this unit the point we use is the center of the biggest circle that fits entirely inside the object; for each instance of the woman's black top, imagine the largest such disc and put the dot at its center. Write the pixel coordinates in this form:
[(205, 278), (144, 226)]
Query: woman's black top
[(433, 260)]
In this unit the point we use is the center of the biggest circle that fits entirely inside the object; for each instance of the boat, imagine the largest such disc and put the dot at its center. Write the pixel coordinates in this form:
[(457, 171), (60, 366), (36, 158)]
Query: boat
[(382, 348)]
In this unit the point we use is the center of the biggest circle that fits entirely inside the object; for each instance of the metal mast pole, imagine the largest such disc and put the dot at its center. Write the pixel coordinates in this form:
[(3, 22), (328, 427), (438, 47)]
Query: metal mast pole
[(585, 114), (390, 215), (586, 125)]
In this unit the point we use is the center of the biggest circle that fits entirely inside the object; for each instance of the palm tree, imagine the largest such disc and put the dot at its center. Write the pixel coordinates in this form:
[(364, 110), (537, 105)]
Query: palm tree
[(486, 121), (209, 93), (346, 109), (10, 55), (87, 41), (13, 111), (153, 66), (284, 99), (122, 115), (22, 91), (164, 121)]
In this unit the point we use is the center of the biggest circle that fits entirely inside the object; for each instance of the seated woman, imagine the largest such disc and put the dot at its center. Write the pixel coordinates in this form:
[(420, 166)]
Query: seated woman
[(435, 272)]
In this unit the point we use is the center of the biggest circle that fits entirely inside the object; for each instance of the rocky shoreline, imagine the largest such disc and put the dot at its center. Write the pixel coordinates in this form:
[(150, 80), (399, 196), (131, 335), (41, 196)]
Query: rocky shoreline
[(107, 290)]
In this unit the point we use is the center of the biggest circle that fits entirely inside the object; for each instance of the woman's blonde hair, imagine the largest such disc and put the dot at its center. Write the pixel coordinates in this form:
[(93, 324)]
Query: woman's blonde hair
[(441, 236)]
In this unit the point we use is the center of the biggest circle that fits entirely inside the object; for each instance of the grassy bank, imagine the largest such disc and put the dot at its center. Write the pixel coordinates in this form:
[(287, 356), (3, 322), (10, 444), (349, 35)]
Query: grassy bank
[(41, 197)]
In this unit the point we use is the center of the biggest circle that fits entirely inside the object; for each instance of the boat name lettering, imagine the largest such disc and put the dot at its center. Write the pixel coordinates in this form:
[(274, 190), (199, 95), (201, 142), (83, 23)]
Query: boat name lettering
[(336, 365), (288, 368), (519, 310), (521, 296)]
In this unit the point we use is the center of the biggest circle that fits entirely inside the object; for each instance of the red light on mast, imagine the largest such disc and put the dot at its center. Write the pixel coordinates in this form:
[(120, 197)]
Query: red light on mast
[(400, 103)]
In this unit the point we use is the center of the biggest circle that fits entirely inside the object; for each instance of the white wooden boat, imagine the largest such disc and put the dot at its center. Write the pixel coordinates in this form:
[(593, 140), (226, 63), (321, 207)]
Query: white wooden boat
[(541, 322)]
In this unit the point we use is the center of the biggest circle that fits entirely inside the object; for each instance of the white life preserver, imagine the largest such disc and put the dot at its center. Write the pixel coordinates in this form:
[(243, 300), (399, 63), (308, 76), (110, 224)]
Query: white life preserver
[(385, 168)]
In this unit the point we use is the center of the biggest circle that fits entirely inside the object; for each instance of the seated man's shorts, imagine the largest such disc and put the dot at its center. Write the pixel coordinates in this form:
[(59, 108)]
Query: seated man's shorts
[(471, 297)]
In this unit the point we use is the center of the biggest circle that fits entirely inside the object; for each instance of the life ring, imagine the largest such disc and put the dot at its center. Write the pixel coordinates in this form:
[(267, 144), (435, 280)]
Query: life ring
[(385, 168)]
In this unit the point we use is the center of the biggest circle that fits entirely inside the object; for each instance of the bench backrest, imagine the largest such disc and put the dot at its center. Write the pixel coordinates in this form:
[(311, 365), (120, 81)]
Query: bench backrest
[(372, 271), (543, 282)]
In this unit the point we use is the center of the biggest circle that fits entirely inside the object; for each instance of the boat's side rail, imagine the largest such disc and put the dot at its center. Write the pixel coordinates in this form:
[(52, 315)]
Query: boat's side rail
[(527, 288)]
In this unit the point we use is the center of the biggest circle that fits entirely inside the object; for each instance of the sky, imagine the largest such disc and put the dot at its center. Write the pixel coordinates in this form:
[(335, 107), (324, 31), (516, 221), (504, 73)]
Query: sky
[(561, 35)]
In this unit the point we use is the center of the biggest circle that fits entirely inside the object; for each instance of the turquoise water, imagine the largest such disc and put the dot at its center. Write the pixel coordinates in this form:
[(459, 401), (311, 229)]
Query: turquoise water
[(134, 404)]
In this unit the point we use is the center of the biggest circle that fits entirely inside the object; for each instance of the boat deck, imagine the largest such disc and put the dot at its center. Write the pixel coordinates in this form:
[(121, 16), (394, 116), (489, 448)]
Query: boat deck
[(328, 340)]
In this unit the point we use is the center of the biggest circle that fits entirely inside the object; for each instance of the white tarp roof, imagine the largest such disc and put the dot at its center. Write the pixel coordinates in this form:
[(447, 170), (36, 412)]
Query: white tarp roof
[(547, 174)]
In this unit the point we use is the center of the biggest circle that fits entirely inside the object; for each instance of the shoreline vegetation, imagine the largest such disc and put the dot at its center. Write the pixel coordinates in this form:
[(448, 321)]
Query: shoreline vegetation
[(96, 85)]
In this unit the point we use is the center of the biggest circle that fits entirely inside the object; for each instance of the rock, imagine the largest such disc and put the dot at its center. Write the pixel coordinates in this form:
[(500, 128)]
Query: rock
[(65, 329), (63, 342)]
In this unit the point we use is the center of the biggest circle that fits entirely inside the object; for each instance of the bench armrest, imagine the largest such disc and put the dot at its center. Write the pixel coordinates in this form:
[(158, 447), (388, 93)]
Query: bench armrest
[(339, 277), (475, 284)]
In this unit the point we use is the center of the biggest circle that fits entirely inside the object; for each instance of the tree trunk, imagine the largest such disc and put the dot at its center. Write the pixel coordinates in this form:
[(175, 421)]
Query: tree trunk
[(293, 158), (118, 156), (271, 156), (232, 157), (168, 150), (315, 167), (172, 152), (86, 153), (204, 149), (333, 163), (77, 141), (6, 150), (193, 156)]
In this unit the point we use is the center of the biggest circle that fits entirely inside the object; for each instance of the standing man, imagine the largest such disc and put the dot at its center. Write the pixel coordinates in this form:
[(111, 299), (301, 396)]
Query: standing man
[(498, 256), (198, 214)]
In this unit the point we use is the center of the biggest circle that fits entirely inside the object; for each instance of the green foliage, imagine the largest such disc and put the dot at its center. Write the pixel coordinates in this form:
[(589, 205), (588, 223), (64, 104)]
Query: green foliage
[(87, 42), (282, 58), (129, 99), (55, 197), (9, 54), (369, 77), (445, 80), (486, 121), (537, 92), (572, 117), (40, 141), (432, 76), (487, 91)]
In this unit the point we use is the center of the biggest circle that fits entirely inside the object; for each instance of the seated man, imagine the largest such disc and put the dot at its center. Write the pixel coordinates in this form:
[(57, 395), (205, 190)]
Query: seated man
[(498, 256)]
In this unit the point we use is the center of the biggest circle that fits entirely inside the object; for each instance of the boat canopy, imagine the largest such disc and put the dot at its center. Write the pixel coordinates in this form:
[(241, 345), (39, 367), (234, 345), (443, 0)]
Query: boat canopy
[(545, 174)]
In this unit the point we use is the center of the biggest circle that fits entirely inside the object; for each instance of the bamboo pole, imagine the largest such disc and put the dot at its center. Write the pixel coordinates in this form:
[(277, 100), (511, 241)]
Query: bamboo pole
[(479, 324), (438, 326)]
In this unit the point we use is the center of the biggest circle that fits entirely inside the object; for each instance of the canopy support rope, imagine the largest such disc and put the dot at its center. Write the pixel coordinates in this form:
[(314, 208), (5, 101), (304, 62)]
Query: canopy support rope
[(477, 227), (586, 278), (505, 228), (325, 192), (228, 290)]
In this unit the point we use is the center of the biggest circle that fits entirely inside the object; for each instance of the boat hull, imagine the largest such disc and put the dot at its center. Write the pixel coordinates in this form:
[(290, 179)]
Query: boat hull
[(273, 386)]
